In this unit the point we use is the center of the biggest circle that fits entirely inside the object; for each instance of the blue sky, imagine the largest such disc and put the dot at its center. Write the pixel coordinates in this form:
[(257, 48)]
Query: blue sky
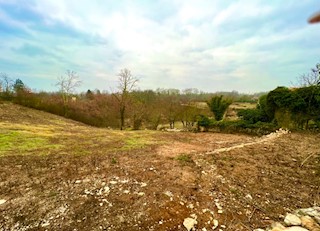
[(248, 45)]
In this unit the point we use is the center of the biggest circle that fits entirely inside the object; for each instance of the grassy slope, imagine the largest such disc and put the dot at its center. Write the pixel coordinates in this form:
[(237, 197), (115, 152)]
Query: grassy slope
[(25, 131)]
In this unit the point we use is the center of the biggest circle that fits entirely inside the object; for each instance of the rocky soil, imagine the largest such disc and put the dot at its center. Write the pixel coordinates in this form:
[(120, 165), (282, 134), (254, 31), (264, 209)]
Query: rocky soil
[(56, 174)]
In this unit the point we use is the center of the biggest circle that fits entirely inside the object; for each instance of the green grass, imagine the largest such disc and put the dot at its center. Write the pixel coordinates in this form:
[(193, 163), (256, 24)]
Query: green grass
[(19, 142), (184, 159), (136, 140)]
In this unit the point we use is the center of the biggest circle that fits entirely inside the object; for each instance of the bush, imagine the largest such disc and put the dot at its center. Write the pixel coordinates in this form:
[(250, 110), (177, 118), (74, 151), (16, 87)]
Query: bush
[(204, 122), (218, 106), (242, 126), (252, 116)]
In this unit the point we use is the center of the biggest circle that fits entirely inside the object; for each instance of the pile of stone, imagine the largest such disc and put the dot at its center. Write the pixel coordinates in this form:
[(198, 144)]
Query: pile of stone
[(300, 220), (278, 133)]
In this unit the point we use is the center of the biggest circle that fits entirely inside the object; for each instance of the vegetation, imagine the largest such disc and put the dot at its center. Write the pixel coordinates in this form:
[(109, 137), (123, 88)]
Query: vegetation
[(127, 108), (295, 108), (218, 106), (310, 79), (67, 85), (126, 84), (184, 159)]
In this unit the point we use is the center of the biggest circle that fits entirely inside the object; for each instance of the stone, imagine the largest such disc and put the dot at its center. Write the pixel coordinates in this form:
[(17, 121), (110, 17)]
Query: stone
[(219, 207), (168, 193), (215, 224), (292, 219), (296, 228), (2, 201), (189, 223), (45, 224), (248, 197), (190, 206), (309, 223), (258, 230), (121, 219), (277, 227), (86, 180), (312, 212), (143, 184)]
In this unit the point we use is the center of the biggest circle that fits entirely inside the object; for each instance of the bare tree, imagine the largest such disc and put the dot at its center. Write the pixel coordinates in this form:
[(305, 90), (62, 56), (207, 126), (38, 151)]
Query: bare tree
[(67, 85), (310, 79), (6, 83), (127, 82)]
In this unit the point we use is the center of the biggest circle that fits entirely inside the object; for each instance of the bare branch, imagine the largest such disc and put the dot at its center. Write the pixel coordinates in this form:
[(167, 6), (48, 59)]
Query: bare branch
[(68, 83), (6, 82), (310, 79), (127, 82)]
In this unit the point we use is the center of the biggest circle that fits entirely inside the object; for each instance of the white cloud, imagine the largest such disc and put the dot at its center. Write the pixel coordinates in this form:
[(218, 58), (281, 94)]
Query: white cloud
[(169, 43)]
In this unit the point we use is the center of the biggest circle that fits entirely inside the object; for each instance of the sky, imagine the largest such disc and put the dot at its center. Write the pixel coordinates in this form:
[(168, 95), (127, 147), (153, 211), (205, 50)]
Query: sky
[(246, 45)]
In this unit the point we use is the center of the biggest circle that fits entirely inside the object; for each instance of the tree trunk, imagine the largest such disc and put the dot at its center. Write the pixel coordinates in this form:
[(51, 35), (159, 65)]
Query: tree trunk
[(122, 110)]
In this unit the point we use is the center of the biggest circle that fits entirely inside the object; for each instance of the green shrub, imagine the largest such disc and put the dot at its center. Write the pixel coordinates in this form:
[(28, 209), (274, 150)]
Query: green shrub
[(204, 121)]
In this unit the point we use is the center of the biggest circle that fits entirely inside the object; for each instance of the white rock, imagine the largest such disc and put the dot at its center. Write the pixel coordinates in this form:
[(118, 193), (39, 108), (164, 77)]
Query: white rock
[(277, 226), (190, 206), (2, 201), (313, 212), (106, 189), (141, 193), (204, 229), (218, 206), (296, 228), (168, 193), (78, 181), (258, 230), (124, 181), (143, 184), (45, 224), (86, 181), (126, 191), (248, 196), (220, 211), (292, 219), (309, 223), (194, 216), (215, 224), (113, 182), (189, 223)]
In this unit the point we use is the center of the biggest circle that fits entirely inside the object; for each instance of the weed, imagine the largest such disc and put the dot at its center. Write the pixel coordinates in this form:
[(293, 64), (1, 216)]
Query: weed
[(184, 158), (114, 161), (235, 192)]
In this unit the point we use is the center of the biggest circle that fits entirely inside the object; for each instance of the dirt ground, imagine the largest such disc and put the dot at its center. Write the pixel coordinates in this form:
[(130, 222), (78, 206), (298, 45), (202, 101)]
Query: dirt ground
[(57, 174)]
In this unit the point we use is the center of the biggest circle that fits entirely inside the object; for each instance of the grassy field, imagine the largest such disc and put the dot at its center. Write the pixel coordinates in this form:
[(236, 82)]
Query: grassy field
[(57, 174)]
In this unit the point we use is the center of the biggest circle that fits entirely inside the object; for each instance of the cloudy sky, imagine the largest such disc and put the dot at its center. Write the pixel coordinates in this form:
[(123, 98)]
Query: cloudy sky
[(247, 45)]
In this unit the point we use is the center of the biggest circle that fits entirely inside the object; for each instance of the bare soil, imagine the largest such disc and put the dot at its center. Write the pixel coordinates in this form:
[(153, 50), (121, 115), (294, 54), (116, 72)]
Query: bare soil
[(57, 174)]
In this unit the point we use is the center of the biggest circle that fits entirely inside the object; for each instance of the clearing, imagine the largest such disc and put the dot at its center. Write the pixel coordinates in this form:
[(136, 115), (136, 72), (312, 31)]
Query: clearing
[(57, 174)]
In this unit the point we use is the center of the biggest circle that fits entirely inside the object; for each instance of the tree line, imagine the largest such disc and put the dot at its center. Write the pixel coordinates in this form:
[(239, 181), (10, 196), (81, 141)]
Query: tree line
[(129, 107)]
